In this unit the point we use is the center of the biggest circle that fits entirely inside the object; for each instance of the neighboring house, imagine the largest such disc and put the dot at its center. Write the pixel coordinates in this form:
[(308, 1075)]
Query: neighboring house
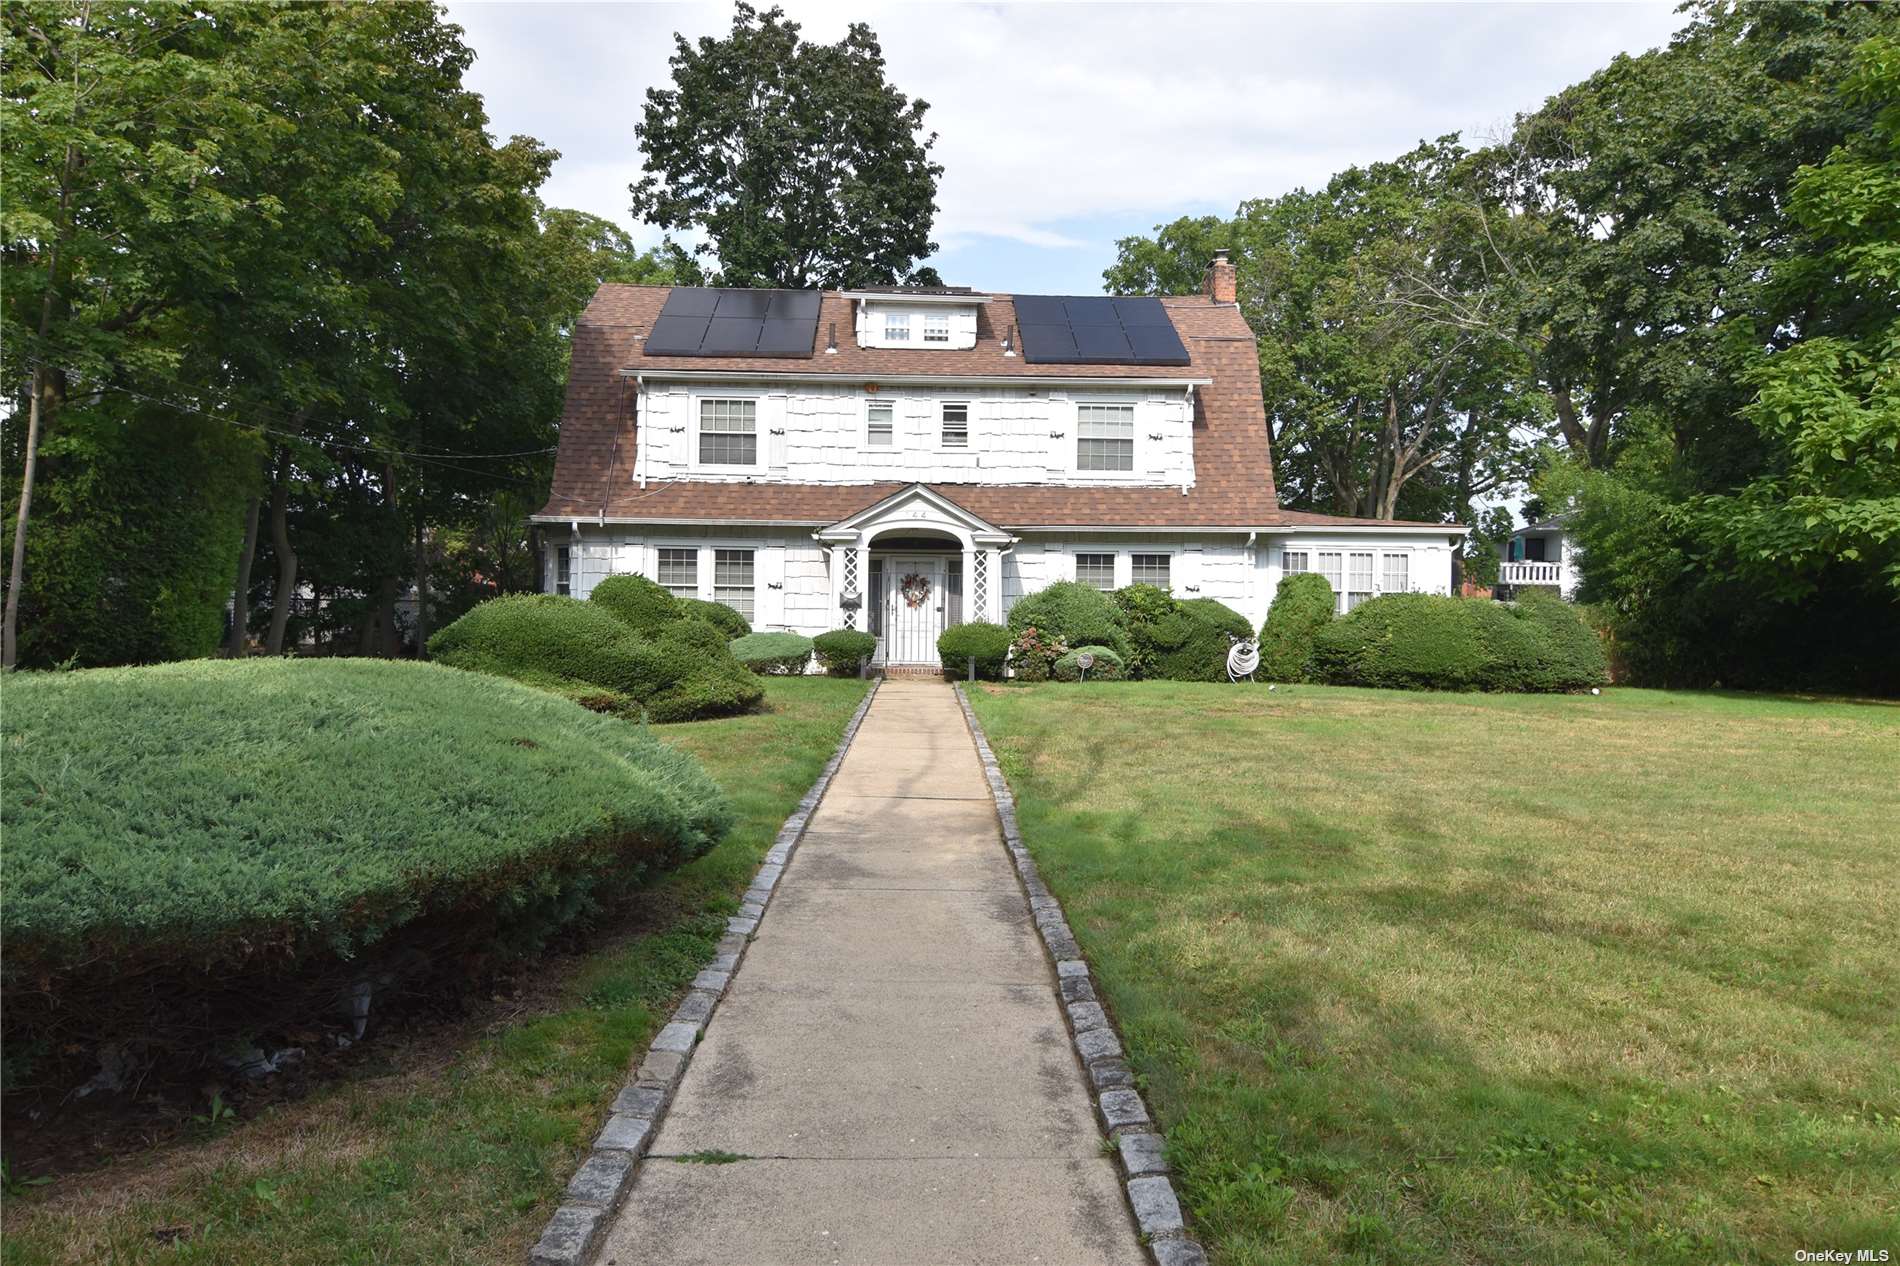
[(900, 460), (1540, 556)]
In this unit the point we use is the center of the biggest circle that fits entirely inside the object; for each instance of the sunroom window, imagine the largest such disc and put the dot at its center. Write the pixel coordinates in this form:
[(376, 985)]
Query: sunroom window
[(1150, 569), (1332, 566), (1105, 437), (728, 432), (1294, 561), (563, 569), (732, 580), (1096, 570), (679, 572), (1358, 579), (1398, 573)]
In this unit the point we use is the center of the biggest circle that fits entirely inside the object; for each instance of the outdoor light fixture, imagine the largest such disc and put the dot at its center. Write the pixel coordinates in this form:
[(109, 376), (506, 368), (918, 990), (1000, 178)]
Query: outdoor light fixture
[(850, 602)]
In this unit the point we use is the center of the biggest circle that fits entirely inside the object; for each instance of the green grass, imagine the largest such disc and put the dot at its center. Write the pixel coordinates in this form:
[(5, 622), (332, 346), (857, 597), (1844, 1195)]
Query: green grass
[(1489, 979), (456, 1148)]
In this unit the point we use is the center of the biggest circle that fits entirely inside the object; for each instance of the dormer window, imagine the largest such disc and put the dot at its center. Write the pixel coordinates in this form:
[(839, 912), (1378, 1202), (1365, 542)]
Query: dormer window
[(897, 327), (917, 318), (936, 327)]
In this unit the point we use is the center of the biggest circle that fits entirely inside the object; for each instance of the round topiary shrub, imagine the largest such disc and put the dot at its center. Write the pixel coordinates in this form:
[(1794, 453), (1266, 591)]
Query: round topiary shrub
[(1201, 655), (638, 602), (841, 650), (1107, 665), (987, 643), (1154, 624), (1075, 613), (1302, 606), (783, 654), (717, 614)]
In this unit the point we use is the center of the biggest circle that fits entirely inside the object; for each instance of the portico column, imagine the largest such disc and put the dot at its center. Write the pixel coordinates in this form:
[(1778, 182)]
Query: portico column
[(971, 611)]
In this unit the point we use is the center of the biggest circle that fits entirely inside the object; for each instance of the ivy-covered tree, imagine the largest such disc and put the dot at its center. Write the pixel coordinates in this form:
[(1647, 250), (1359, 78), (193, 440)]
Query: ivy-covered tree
[(800, 163)]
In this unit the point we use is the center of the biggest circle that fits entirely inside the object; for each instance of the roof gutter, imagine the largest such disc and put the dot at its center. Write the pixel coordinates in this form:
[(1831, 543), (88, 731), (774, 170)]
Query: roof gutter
[(901, 380)]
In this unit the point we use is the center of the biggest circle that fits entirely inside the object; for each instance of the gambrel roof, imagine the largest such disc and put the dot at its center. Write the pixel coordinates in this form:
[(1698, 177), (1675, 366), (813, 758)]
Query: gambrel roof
[(1233, 488)]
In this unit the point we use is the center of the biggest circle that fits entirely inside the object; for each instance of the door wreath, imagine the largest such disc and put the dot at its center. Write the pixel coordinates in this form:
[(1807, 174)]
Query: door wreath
[(915, 588)]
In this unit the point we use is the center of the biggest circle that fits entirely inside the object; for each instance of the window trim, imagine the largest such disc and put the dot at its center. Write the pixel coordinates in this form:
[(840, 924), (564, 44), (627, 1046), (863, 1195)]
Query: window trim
[(936, 319), (659, 563), (864, 434), (1078, 555), (564, 570), (1137, 448), (752, 563), (1347, 593), (1168, 554), (969, 426), (763, 423), (892, 319)]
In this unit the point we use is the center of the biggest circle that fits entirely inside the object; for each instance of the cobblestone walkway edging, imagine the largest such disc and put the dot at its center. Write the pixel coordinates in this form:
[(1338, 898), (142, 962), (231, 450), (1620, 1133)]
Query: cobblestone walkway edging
[(1118, 1104), (603, 1179)]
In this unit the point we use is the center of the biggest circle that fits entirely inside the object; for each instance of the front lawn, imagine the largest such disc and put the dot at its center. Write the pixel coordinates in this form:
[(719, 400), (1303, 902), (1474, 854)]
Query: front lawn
[(454, 1144), (1451, 978)]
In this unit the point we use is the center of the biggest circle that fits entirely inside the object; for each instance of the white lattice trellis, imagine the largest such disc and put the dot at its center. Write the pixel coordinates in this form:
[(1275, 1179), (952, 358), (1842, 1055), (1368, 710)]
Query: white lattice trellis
[(980, 584), (850, 585)]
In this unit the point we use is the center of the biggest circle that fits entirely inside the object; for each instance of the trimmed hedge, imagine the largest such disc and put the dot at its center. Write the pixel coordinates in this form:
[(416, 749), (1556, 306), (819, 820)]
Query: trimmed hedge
[(841, 650), (1303, 605), (248, 839), (683, 673), (640, 603), (1177, 639), (1416, 641), (1580, 659), (1108, 666), (785, 654), (717, 614), (1074, 613), (989, 643)]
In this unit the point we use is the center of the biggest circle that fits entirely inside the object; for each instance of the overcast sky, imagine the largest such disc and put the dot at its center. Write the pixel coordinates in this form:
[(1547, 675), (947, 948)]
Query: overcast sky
[(1064, 127)]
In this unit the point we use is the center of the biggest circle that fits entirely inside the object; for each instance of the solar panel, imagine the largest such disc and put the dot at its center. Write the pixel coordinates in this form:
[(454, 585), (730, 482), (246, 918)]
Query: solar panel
[(676, 335), (1103, 344), (691, 301), (787, 338), (1097, 330), (704, 321), (1156, 344), (1049, 345), (744, 304)]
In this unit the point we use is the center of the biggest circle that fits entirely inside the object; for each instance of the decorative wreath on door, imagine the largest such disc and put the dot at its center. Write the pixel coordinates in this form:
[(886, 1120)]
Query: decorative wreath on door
[(915, 588)]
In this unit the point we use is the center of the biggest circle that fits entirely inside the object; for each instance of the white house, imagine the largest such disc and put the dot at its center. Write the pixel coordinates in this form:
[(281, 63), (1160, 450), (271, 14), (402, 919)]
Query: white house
[(901, 459), (1541, 555)]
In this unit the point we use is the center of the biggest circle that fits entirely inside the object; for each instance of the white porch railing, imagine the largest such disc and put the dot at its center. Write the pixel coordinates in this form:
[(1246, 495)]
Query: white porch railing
[(1528, 573)]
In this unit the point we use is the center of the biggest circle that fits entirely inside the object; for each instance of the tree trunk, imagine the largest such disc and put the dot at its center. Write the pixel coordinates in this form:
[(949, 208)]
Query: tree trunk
[(241, 590), (422, 593), (9, 631), (284, 592), (386, 619)]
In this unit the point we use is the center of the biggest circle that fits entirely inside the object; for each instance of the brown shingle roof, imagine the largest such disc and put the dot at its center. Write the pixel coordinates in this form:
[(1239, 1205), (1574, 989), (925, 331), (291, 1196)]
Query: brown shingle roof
[(1233, 468)]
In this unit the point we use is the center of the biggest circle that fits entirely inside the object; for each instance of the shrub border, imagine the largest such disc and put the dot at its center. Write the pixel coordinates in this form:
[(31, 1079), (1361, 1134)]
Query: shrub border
[(606, 1175), (1118, 1105)]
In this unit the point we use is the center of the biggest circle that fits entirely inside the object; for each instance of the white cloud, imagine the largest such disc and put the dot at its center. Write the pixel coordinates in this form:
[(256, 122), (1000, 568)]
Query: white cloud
[(1051, 114)]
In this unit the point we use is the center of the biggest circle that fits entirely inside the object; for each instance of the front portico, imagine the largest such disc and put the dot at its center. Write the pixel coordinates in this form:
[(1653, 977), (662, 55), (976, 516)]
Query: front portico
[(910, 566)]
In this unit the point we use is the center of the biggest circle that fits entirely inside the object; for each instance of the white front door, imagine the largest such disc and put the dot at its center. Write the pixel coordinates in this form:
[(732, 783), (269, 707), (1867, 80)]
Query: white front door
[(914, 599)]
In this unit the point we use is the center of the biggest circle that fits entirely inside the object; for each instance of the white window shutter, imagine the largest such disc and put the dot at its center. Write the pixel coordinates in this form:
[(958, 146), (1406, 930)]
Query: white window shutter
[(1061, 432), (771, 591), (1151, 454), (775, 418), (1185, 574)]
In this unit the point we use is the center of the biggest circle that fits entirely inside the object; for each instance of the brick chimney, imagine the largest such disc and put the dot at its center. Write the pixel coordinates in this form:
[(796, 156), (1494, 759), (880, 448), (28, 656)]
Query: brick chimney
[(1223, 279)]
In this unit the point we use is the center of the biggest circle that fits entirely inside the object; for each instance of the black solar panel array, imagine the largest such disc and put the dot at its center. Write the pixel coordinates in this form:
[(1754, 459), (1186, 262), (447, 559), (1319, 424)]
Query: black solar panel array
[(1094, 330), (701, 321)]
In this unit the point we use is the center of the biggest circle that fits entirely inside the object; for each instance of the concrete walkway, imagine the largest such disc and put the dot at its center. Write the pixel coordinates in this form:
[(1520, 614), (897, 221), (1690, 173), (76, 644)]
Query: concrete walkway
[(890, 1064)]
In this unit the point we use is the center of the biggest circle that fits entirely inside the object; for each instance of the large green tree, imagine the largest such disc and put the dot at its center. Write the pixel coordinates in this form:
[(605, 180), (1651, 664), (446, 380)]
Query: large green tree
[(801, 163)]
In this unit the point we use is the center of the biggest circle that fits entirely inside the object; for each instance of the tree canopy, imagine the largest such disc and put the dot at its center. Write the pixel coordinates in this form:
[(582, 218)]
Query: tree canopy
[(800, 163)]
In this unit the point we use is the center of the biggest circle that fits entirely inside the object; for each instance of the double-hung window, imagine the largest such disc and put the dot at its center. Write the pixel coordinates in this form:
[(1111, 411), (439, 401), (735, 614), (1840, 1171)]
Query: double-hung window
[(956, 426), (1096, 570), (1358, 579), (1398, 573), (1105, 437), (1295, 561), (897, 327), (679, 572), (728, 432), (1332, 566), (1150, 569), (880, 428), (732, 580), (936, 327), (563, 569)]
